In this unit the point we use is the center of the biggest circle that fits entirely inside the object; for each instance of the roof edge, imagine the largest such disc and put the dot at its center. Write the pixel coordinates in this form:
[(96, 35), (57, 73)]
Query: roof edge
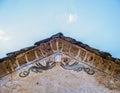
[(103, 54)]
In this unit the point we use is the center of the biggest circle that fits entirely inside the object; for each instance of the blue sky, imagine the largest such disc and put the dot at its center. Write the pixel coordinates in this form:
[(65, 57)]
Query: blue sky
[(94, 22)]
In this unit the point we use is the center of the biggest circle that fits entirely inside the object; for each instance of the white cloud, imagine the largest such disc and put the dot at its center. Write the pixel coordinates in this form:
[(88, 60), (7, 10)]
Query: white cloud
[(72, 18), (3, 36)]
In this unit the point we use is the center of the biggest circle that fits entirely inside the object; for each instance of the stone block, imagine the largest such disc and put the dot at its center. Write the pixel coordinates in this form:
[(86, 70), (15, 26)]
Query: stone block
[(38, 52), (110, 67), (104, 65), (82, 54), (31, 55), (13, 64), (5, 67), (116, 71), (21, 59), (7, 64), (54, 44), (74, 50), (46, 49), (96, 61), (60, 44), (2, 69), (66, 46), (89, 57)]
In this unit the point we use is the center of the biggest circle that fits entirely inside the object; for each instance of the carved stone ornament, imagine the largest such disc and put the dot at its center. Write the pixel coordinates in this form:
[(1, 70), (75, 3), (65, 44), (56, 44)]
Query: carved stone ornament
[(65, 62)]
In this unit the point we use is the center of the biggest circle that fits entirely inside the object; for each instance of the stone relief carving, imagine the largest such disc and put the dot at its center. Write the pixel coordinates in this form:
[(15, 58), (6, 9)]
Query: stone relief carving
[(78, 67), (65, 62), (37, 68)]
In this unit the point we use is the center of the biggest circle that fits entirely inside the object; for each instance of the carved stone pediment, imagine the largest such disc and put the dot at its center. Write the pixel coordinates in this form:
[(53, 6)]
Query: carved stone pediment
[(65, 61), (60, 53)]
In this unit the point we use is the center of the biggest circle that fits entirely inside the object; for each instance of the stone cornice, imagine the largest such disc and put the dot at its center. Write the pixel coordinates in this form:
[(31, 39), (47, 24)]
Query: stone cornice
[(102, 54)]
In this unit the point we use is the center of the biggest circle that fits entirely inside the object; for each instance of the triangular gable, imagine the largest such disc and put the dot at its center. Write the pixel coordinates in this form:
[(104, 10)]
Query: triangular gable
[(59, 43)]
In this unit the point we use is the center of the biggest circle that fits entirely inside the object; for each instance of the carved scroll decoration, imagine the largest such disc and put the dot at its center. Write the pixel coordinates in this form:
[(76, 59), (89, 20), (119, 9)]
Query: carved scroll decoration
[(37, 68), (76, 66)]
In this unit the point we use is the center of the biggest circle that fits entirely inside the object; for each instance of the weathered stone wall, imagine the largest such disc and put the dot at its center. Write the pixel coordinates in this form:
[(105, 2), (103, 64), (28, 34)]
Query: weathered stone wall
[(109, 69), (58, 80)]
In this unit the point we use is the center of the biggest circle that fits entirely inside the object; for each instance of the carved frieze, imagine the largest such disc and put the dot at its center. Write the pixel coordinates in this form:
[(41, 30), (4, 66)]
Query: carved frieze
[(51, 62), (61, 44), (37, 68)]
